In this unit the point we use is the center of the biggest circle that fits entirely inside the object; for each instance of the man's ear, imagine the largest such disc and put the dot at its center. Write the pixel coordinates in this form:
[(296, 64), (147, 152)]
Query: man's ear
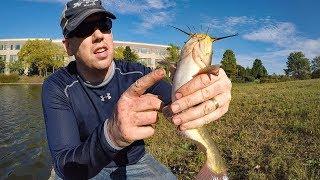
[(66, 45)]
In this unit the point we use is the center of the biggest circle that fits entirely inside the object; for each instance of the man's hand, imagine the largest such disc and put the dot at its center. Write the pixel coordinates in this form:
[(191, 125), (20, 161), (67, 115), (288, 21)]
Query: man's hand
[(136, 112), (197, 100)]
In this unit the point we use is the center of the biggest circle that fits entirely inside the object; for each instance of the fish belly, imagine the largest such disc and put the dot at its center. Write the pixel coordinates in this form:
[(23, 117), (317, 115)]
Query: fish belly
[(186, 69)]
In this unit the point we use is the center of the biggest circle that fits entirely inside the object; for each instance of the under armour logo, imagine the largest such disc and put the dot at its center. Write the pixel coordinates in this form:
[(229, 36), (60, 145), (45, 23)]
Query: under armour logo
[(85, 3), (103, 98)]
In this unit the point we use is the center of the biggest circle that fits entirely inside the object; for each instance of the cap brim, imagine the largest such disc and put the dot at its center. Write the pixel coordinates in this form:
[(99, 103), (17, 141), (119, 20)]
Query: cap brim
[(75, 22)]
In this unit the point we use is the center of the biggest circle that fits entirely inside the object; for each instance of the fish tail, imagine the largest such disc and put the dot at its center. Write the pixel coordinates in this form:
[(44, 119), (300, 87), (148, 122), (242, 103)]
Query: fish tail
[(206, 174)]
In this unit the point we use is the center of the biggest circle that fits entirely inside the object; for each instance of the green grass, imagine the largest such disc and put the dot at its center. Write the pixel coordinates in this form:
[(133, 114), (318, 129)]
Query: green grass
[(271, 131)]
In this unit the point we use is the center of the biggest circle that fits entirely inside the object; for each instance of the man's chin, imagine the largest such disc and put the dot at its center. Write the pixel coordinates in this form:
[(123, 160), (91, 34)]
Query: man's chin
[(102, 65)]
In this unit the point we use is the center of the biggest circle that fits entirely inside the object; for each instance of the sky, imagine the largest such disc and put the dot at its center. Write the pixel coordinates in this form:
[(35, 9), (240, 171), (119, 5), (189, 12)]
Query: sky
[(269, 30)]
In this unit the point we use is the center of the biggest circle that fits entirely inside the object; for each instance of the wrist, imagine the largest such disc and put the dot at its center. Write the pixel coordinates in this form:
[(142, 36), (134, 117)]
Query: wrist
[(109, 136), (115, 138)]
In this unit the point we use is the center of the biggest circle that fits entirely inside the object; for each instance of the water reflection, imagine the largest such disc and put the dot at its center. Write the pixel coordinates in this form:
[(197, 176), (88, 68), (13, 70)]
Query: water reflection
[(23, 148)]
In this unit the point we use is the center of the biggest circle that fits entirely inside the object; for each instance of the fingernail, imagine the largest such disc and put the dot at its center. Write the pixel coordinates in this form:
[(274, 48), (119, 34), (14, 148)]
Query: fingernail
[(182, 128), (167, 112), (176, 120), (178, 95), (159, 72), (175, 108)]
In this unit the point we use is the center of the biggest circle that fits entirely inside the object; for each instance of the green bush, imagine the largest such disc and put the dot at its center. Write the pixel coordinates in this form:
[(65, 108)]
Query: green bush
[(315, 74), (11, 78), (244, 79), (276, 78), (249, 78)]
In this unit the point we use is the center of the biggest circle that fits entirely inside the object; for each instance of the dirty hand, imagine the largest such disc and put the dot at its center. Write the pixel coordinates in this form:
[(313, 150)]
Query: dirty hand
[(135, 112), (200, 101)]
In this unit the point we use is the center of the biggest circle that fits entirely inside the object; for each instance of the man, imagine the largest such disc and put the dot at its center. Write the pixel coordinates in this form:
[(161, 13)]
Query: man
[(97, 111)]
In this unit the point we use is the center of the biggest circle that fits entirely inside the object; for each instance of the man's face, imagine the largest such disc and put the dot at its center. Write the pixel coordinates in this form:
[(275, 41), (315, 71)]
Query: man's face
[(95, 49)]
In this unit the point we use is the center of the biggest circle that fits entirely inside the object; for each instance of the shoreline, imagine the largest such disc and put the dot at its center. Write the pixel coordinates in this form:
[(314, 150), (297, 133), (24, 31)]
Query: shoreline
[(21, 83), (14, 79)]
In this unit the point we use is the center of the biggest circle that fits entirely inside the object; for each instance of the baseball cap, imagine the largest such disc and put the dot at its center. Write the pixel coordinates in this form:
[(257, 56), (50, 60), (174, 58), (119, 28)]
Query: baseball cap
[(76, 11)]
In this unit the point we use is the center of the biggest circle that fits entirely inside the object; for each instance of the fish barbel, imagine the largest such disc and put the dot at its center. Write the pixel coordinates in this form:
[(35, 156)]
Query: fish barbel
[(196, 57)]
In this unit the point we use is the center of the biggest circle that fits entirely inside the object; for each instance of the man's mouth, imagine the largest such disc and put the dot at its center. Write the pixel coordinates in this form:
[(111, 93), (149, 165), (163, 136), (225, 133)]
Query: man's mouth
[(100, 50), (101, 53)]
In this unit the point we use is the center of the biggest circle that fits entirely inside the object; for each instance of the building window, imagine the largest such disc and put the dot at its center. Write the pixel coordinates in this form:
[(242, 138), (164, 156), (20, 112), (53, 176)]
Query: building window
[(2, 57), (157, 51), (11, 47), (144, 50), (3, 47), (13, 58), (17, 47)]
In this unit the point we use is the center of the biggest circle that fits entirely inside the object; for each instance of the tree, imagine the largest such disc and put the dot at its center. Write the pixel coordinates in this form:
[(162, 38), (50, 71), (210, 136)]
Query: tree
[(57, 62), (298, 66), (2, 65), (118, 53), (244, 74), (41, 55), (130, 55), (173, 53), (241, 71), (17, 67), (248, 76), (315, 67), (248, 72), (172, 58), (229, 63), (258, 70)]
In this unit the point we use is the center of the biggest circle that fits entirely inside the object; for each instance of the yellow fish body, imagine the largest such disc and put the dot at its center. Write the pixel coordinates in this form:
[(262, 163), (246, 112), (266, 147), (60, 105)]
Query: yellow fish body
[(196, 55)]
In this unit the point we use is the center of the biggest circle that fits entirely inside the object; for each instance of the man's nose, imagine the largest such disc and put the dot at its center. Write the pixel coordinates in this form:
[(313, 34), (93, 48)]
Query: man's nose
[(97, 35)]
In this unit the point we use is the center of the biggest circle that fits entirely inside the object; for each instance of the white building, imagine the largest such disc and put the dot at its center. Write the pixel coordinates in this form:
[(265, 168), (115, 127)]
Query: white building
[(149, 54)]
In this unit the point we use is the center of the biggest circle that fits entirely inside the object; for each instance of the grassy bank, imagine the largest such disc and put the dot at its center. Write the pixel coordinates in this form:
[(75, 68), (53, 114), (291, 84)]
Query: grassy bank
[(31, 79), (14, 78), (272, 131)]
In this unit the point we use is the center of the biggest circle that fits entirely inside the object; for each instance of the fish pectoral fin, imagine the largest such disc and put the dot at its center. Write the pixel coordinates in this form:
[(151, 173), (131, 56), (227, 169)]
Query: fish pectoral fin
[(212, 69)]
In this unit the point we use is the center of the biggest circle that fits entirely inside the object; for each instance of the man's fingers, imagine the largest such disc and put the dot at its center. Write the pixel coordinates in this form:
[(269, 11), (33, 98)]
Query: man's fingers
[(204, 120), (198, 97), (201, 110), (142, 84), (142, 132), (199, 82), (148, 102), (145, 118)]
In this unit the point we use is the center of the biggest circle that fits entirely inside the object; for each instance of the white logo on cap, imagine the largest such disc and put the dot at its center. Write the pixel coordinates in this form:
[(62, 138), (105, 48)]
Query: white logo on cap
[(85, 3)]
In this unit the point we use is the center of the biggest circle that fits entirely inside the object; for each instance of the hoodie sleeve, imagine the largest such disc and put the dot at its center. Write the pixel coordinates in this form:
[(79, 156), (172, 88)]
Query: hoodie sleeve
[(72, 158)]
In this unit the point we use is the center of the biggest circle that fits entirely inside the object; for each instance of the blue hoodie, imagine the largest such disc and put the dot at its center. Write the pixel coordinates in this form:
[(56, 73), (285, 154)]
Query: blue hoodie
[(75, 112)]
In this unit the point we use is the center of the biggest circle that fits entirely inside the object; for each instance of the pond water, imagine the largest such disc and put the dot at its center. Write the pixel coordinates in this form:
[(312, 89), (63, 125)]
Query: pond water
[(24, 151)]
